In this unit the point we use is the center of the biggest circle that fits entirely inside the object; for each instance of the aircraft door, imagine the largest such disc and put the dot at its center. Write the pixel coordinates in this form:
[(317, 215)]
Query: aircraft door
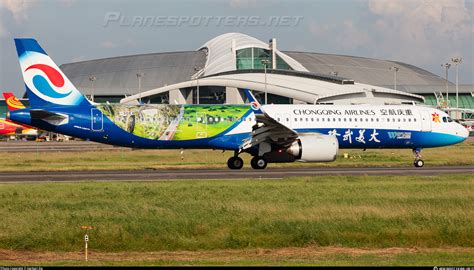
[(97, 120), (201, 125), (425, 121)]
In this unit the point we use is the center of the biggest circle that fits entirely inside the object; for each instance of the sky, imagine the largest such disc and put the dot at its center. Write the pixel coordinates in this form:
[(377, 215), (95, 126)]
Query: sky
[(424, 33)]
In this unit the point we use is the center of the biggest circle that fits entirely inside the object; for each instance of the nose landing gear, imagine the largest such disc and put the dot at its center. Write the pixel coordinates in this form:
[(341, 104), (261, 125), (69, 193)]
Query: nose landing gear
[(418, 161)]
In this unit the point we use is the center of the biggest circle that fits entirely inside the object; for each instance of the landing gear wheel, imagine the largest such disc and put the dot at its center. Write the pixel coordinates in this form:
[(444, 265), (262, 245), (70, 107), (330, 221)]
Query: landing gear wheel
[(235, 163), (419, 163), (258, 163)]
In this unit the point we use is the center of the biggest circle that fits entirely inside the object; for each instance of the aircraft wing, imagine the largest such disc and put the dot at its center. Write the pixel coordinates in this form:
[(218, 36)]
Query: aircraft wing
[(267, 129)]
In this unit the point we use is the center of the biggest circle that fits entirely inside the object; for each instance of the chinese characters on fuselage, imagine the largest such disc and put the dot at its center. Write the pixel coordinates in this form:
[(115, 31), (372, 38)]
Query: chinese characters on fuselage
[(348, 135)]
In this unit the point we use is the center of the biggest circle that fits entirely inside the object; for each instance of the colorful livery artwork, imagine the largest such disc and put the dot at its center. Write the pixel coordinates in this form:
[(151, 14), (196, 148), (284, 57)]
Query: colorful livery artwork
[(174, 122)]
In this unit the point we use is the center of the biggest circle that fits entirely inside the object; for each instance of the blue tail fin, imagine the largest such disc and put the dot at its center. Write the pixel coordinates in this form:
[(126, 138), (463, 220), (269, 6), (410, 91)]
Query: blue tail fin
[(45, 83)]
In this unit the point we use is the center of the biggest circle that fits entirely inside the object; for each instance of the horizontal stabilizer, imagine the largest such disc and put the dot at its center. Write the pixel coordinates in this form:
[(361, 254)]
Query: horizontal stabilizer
[(49, 117)]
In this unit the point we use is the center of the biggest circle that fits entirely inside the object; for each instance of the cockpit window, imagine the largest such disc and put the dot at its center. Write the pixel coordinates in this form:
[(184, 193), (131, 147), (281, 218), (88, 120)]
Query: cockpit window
[(447, 119)]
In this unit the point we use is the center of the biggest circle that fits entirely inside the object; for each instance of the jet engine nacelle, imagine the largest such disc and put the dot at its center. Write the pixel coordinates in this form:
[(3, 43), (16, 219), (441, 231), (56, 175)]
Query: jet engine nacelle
[(314, 147)]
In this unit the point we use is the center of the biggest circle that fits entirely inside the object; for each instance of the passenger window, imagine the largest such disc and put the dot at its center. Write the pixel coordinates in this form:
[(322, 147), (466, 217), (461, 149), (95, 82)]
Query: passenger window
[(296, 119), (388, 119), (355, 119), (414, 119), (450, 120)]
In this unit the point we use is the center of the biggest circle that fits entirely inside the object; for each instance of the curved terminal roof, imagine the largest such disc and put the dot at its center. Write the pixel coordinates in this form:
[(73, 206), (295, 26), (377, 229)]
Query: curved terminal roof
[(371, 71), (221, 52), (118, 75)]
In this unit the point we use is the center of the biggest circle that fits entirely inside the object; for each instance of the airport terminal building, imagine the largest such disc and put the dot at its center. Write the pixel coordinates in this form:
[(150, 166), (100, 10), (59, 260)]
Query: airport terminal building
[(216, 73)]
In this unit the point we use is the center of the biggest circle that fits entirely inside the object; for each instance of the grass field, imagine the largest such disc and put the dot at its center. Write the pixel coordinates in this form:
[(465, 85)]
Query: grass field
[(460, 154), (321, 256), (337, 220)]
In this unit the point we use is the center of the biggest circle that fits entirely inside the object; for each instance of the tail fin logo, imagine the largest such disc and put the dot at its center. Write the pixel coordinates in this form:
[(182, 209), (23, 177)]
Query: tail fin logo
[(13, 102), (45, 83), (255, 105), (42, 85)]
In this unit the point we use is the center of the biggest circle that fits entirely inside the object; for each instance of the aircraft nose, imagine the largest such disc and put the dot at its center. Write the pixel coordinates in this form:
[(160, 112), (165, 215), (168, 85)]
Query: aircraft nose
[(463, 132)]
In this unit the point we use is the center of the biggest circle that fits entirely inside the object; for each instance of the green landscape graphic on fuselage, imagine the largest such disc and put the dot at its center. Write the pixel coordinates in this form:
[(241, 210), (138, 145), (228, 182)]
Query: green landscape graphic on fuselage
[(174, 122)]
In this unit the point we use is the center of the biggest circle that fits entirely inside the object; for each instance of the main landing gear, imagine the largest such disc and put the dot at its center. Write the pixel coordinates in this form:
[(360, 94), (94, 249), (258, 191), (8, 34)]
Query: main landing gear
[(418, 161), (236, 163), (258, 163)]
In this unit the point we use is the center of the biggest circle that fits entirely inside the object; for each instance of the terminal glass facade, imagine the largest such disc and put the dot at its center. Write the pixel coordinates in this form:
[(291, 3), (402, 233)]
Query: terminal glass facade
[(281, 64), (252, 58), (271, 98), (466, 101), (209, 95)]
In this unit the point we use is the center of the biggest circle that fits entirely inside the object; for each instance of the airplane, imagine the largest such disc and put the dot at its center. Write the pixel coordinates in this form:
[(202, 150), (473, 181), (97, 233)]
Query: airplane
[(10, 128), (270, 133)]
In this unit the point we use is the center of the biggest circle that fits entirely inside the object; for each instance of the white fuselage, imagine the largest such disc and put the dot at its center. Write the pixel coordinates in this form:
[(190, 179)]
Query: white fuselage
[(355, 125)]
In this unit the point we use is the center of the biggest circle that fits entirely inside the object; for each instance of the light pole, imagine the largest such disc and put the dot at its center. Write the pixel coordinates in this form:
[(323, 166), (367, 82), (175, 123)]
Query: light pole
[(447, 66), (265, 62), (395, 70), (92, 79), (139, 76), (456, 61), (196, 68)]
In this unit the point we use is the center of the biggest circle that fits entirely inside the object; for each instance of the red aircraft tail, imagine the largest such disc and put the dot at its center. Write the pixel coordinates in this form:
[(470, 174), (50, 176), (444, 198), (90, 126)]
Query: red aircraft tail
[(12, 102)]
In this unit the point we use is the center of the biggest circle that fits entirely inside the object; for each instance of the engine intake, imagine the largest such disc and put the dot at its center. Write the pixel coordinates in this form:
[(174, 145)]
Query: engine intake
[(314, 147)]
